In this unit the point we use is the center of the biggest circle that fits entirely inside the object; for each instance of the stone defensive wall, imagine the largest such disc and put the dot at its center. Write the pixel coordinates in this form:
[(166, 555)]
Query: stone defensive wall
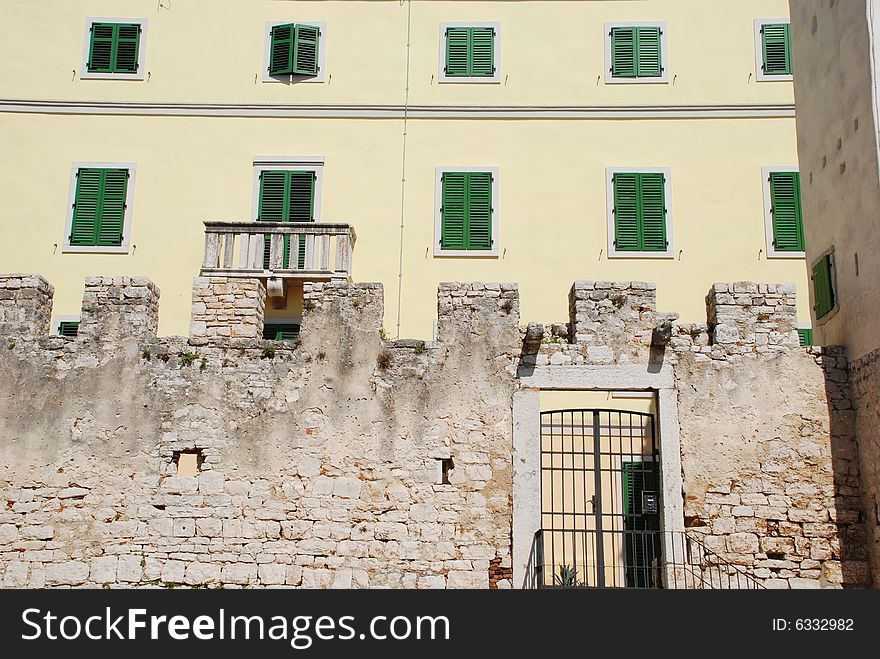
[(342, 460)]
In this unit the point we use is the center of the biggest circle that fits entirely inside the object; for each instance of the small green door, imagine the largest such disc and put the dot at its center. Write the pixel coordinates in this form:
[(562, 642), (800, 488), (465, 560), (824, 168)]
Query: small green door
[(641, 542)]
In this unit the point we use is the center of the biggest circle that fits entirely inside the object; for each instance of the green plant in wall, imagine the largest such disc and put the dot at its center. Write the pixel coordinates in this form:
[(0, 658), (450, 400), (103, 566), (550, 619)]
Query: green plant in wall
[(187, 358), (147, 355), (203, 366), (383, 336), (269, 353), (308, 305), (420, 348)]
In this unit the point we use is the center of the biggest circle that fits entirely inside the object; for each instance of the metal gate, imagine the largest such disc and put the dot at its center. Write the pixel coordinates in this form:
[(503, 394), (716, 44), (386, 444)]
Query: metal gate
[(600, 500)]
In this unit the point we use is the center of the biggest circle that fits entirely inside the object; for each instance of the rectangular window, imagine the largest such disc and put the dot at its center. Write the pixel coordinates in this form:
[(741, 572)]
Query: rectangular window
[(776, 49), (287, 196), (786, 212), (470, 52), (99, 208), (294, 50), (636, 52), (280, 331), (805, 334), (823, 286), (639, 212), (773, 49), (114, 48), (68, 328), (466, 211)]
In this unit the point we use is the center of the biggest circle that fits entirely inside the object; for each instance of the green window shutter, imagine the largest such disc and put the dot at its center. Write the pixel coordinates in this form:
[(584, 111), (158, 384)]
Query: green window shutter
[(68, 328), (273, 196), (639, 212), (627, 229), (823, 292), (274, 205), (99, 207), (652, 201), (86, 207), (128, 38), (101, 42), (280, 331), (112, 216), (623, 52), (806, 336), (281, 50), (482, 52), (287, 196), (114, 48), (305, 54), (776, 45), (786, 211), (479, 211), (453, 211), (457, 51), (302, 209), (648, 54)]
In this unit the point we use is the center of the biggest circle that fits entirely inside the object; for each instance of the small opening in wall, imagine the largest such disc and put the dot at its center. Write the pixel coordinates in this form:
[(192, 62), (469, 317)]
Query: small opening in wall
[(189, 463), (856, 259), (776, 556), (856, 123), (446, 466)]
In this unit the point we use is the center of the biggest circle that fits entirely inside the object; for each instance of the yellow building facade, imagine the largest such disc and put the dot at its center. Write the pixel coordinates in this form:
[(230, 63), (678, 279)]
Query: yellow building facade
[(380, 122)]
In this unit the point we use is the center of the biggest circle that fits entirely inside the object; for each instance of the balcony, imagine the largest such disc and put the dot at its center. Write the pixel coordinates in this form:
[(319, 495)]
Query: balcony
[(285, 250)]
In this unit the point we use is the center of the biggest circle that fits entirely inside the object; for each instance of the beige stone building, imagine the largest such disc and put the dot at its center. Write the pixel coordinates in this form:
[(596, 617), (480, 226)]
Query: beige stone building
[(837, 82)]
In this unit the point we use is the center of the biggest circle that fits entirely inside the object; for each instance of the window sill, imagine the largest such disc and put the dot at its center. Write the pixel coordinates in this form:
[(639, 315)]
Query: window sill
[(763, 77), (662, 80), (472, 253), (93, 249), (111, 76), (773, 254), (614, 254), (294, 79), (472, 80)]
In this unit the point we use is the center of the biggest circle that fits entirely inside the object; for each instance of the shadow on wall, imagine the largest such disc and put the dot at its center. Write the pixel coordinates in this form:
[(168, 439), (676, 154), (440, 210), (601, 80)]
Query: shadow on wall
[(849, 511)]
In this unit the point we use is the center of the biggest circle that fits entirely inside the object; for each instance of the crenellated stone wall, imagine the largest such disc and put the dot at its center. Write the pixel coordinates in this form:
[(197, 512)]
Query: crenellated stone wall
[(320, 462), (25, 305), (227, 307), (346, 460), (746, 317), (117, 308)]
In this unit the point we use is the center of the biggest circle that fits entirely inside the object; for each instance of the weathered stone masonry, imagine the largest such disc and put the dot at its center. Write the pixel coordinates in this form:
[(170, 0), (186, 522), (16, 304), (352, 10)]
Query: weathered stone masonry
[(321, 459)]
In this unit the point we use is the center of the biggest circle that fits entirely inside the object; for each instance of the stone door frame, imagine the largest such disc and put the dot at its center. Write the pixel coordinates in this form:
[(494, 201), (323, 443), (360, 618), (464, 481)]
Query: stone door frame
[(527, 443)]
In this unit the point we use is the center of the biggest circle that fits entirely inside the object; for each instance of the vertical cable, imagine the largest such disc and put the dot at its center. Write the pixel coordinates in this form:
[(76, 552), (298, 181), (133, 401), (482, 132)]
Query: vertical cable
[(403, 165)]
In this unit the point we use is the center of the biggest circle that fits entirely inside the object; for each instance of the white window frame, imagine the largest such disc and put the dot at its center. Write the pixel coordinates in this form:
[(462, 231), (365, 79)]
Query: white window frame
[(322, 55), (140, 74), (613, 252), (126, 226), (760, 76), (300, 164), (496, 213), (57, 320), (772, 253), (494, 80), (664, 54)]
